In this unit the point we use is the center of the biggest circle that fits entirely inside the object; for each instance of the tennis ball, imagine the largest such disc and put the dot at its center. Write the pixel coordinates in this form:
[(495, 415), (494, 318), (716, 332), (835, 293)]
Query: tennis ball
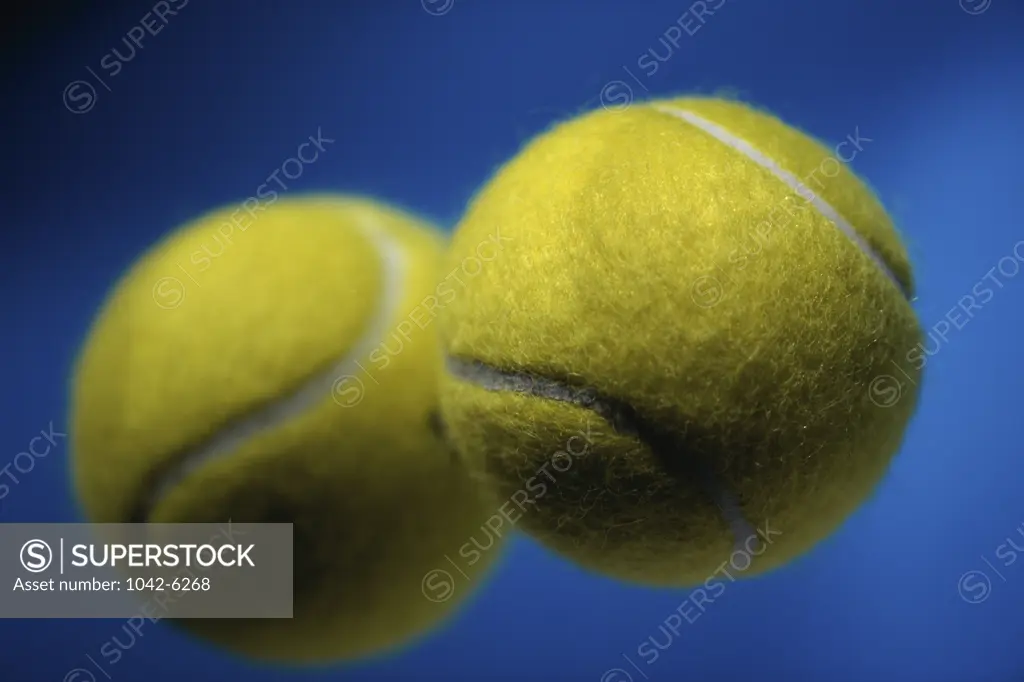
[(279, 366), (684, 357)]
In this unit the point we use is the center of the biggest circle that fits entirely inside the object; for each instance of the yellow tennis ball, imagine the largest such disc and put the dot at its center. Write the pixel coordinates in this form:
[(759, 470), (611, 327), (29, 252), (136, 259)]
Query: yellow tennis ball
[(685, 356), (271, 366)]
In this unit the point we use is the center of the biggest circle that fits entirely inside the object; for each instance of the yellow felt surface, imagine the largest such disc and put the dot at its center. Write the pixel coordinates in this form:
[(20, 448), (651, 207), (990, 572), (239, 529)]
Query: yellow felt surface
[(376, 497), (818, 167), (651, 262)]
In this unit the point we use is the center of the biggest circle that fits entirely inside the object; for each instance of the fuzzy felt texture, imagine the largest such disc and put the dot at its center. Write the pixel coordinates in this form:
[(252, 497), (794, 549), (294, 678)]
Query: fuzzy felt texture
[(375, 496), (645, 260)]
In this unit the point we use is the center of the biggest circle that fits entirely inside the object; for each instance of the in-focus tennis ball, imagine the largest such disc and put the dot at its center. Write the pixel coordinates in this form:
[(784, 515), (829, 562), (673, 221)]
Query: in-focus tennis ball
[(690, 354), (280, 365)]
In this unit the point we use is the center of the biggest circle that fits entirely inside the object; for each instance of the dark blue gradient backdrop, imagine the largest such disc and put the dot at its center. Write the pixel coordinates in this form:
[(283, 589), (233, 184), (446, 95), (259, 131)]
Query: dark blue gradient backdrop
[(422, 104)]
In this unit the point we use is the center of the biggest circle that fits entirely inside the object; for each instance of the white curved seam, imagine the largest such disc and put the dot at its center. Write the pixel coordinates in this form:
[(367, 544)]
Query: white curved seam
[(766, 162), (318, 387)]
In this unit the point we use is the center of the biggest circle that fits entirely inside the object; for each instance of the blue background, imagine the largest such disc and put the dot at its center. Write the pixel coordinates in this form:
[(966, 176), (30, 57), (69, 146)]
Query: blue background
[(422, 108)]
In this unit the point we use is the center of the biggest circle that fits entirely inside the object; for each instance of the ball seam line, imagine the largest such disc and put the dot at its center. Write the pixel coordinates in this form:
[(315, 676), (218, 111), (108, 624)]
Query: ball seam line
[(823, 207), (625, 420), (309, 393)]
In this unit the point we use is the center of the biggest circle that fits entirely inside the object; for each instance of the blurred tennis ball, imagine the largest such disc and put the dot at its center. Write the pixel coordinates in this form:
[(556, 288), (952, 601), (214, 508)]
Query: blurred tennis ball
[(272, 374)]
